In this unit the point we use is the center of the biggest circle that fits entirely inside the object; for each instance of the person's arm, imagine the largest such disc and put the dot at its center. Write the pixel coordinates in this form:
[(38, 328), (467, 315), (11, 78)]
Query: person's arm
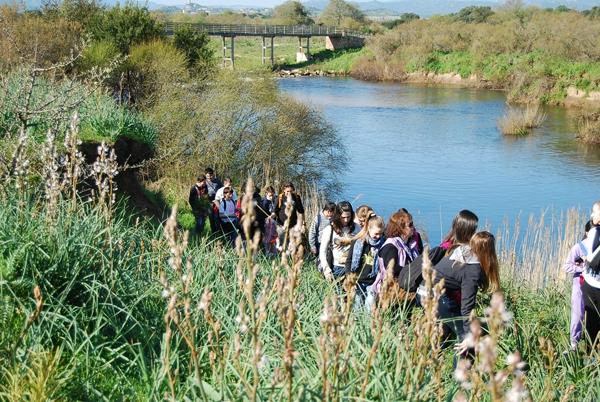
[(574, 263), (313, 233), (469, 284), (325, 240), (193, 197)]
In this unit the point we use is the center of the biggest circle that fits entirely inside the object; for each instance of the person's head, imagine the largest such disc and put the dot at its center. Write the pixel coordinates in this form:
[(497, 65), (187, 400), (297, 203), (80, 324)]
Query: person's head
[(199, 180), (227, 193), (483, 246), (375, 226), (595, 217), (362, 213), (209, 174), (328, 209), (464, 226), (343, 216), (227, 182), (269, 192), (400, 225), (288, 189), (587, 228)]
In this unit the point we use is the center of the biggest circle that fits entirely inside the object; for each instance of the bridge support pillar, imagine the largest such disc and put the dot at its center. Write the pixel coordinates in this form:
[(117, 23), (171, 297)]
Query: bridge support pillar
[(303, 55), (271, 52), (231, 56)]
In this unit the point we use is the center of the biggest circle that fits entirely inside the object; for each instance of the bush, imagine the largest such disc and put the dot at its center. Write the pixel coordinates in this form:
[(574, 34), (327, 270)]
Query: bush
[(197, 49), (125, 26), (520, 122), (588, 126)]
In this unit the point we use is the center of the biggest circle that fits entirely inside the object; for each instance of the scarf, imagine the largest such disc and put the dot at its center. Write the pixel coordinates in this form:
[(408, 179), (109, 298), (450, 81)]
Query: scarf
[(357, 253)]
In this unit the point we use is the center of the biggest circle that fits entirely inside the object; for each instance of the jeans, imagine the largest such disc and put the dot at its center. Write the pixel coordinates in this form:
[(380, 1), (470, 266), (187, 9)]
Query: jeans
[(450, 315), (200, 224), (338, 271)]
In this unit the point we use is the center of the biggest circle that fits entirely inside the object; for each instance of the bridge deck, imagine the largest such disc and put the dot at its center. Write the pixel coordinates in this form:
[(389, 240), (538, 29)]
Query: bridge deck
[(265, 30)]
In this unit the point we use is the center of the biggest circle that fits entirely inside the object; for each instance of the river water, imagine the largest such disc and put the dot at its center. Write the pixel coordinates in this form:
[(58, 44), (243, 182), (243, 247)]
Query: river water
[(437, 150)]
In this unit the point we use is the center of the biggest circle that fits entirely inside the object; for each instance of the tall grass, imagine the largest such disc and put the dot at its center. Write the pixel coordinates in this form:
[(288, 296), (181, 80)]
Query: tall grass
[(130, 310), (521, 121)]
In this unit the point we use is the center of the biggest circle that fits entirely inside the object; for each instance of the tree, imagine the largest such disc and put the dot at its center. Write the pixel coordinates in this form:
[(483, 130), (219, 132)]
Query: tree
[(197, 50), (338, 11), (126, 26), (474, 14), (292, 12), (404, 18)]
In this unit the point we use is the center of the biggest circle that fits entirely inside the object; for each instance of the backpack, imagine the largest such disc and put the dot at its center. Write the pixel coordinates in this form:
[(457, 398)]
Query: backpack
[(412, 275)]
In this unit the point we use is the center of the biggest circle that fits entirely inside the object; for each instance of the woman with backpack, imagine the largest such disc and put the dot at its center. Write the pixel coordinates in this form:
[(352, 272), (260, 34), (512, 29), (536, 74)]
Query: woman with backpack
[(333, 252), (362, 256), (402, 246), (466, 270), (228, 216)]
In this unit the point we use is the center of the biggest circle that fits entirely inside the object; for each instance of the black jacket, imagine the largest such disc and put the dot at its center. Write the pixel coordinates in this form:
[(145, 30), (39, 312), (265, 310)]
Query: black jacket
[(466, 278)]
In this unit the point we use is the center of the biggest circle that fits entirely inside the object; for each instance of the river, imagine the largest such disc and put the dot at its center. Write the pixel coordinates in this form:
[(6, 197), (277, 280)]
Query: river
[(436, 150)]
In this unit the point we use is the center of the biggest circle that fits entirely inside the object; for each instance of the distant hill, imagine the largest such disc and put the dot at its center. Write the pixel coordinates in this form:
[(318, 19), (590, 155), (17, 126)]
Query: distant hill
[(424, 8)]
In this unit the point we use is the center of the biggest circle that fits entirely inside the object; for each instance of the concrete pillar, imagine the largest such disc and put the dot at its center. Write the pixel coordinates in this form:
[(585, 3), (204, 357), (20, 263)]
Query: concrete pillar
[(231, 56)]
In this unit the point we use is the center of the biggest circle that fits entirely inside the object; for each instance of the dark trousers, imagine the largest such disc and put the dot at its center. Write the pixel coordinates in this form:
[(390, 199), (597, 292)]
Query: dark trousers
[(591, 302), (449, 313)]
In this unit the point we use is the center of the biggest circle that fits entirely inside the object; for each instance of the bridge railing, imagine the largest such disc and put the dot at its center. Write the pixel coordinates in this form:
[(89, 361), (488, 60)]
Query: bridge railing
[(266, 30)]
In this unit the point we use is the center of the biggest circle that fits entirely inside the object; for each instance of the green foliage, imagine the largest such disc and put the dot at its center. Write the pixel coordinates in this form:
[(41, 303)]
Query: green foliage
[(196, 47), (339, 12), (474, 14), (292, 12), (404, 18), (98, 54), (81, 11), (592, 13), (125, 26), (101, 118)]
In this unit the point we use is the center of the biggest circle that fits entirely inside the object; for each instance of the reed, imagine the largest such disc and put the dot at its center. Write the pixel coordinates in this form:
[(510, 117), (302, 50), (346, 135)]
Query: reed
[(521, 121)]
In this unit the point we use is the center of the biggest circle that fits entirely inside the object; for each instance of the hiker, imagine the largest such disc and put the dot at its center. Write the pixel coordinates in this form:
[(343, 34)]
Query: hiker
[(575, 265), (200, 203), (464, 226), (270, 233), (212, 185), (403, 245), (228, 216), (319, 223), (257, 225), (362, 213), (465, 270), (332, 253), (590, 288), (226, 183), (362, 256), (288, 199)]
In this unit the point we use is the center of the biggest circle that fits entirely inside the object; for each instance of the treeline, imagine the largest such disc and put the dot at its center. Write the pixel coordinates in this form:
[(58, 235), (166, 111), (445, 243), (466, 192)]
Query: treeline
[(127, 80), (536, 54)]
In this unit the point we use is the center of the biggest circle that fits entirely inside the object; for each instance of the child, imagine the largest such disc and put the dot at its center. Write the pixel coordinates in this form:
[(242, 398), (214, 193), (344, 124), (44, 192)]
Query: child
[(228, 216), (270, 234), (362, 257), (575, 266), (319, 223)]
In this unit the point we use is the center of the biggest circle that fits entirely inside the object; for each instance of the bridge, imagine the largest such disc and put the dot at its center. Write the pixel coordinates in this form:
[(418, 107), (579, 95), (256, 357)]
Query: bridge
[(335, 38)]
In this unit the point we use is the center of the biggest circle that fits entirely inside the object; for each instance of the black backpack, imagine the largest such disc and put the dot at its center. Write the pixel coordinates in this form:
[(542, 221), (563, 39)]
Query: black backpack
[(411, 276), (595, 262)]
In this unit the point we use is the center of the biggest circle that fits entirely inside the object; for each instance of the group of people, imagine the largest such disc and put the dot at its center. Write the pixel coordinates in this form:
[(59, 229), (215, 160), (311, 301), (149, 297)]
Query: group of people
[(348, 242), (216, 204)]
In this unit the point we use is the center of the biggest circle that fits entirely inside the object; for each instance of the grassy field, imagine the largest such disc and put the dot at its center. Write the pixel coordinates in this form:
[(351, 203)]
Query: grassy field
[(97, 304)]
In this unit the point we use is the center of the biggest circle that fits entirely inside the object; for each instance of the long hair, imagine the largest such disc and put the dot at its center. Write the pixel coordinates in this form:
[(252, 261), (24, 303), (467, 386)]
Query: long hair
[(336, 221), (463, 228), (483, 245), (363, 212), (399, 224), (372, 221)]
